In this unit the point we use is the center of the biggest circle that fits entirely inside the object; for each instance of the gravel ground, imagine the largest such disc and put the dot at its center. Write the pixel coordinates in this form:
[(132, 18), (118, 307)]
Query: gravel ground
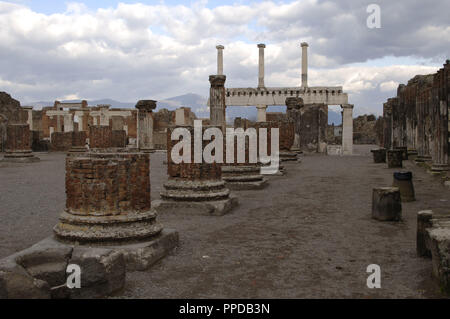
[(307, 235)]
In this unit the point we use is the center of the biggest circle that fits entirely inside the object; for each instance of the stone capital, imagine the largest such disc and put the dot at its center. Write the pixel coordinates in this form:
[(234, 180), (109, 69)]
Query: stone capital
[(304, 44), (347, 106), (146, 105), (220, 47), (217, 80), (261, 45)]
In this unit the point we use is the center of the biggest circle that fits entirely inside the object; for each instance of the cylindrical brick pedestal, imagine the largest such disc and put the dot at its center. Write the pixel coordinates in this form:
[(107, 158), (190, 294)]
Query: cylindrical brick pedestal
[(386, 204), (242, 176), (18, 144), (403, 180), (107, 199), (100, 136), (395, 158), (404, 150), (379, 155), (194, 188)]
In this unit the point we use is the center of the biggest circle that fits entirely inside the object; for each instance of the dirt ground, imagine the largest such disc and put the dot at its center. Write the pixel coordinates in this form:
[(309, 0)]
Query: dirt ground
[(307, 235)]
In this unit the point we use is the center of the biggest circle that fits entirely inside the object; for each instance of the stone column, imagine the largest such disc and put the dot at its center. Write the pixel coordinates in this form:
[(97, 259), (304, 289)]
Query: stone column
[(29, 110), (261, 47), (145, 125), (220, 59), (293, 106), (68, 122), (217, 101), (193, 188), (18, 144), (108, 209), (347, 129), (440, 158), (261, 116), (304, 46)]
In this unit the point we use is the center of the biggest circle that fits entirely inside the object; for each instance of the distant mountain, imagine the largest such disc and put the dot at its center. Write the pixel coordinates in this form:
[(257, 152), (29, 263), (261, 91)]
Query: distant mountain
[(197, 103)]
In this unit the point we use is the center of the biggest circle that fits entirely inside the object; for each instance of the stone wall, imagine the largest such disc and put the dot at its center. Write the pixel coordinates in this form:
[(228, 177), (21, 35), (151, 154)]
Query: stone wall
[(100, 136), (364, 130), (61, 141), (418, 116), (118, 138)]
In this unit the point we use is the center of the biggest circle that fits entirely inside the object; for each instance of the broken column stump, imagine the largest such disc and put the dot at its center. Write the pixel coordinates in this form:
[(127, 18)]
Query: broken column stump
[(403, 180), (18, 144), (404, 150), (78, 143), (395, 158), (379, 155), (242, 174), (194, 188), (440, 255), (424, 221), (386, 204)]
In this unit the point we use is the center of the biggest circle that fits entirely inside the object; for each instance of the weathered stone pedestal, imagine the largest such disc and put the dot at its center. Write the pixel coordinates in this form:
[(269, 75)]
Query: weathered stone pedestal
[(18, 144), (288, 156), (194, 188), (439, 168), (403, 180), (404, 150), (433, 240), (243, 177), (423, 159), (379, 155), (395, 158), (412, 154), (386, 204)]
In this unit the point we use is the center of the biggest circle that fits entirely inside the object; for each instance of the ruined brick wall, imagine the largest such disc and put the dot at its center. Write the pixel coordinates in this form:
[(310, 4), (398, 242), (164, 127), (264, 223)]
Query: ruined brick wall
[(100, 136), (11, 111), (364, 129), (108, 183), (79, 138), (119, 138), (38, 144), (160, 140), (275, 116), (191, 171), (61, 141), (47, 122), (18, 138)]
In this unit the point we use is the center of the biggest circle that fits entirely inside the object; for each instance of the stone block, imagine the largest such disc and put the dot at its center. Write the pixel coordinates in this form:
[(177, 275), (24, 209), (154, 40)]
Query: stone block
[(386, 204)]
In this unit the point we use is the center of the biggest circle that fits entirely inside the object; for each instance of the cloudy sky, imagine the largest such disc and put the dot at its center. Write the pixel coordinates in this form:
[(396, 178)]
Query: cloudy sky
[(131, 50)]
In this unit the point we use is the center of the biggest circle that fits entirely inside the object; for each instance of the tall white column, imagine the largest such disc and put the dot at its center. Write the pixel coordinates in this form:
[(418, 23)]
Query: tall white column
[(261, 116), (261, 47), (347, 129), (220, 59), (304, 46), (68, 123)]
